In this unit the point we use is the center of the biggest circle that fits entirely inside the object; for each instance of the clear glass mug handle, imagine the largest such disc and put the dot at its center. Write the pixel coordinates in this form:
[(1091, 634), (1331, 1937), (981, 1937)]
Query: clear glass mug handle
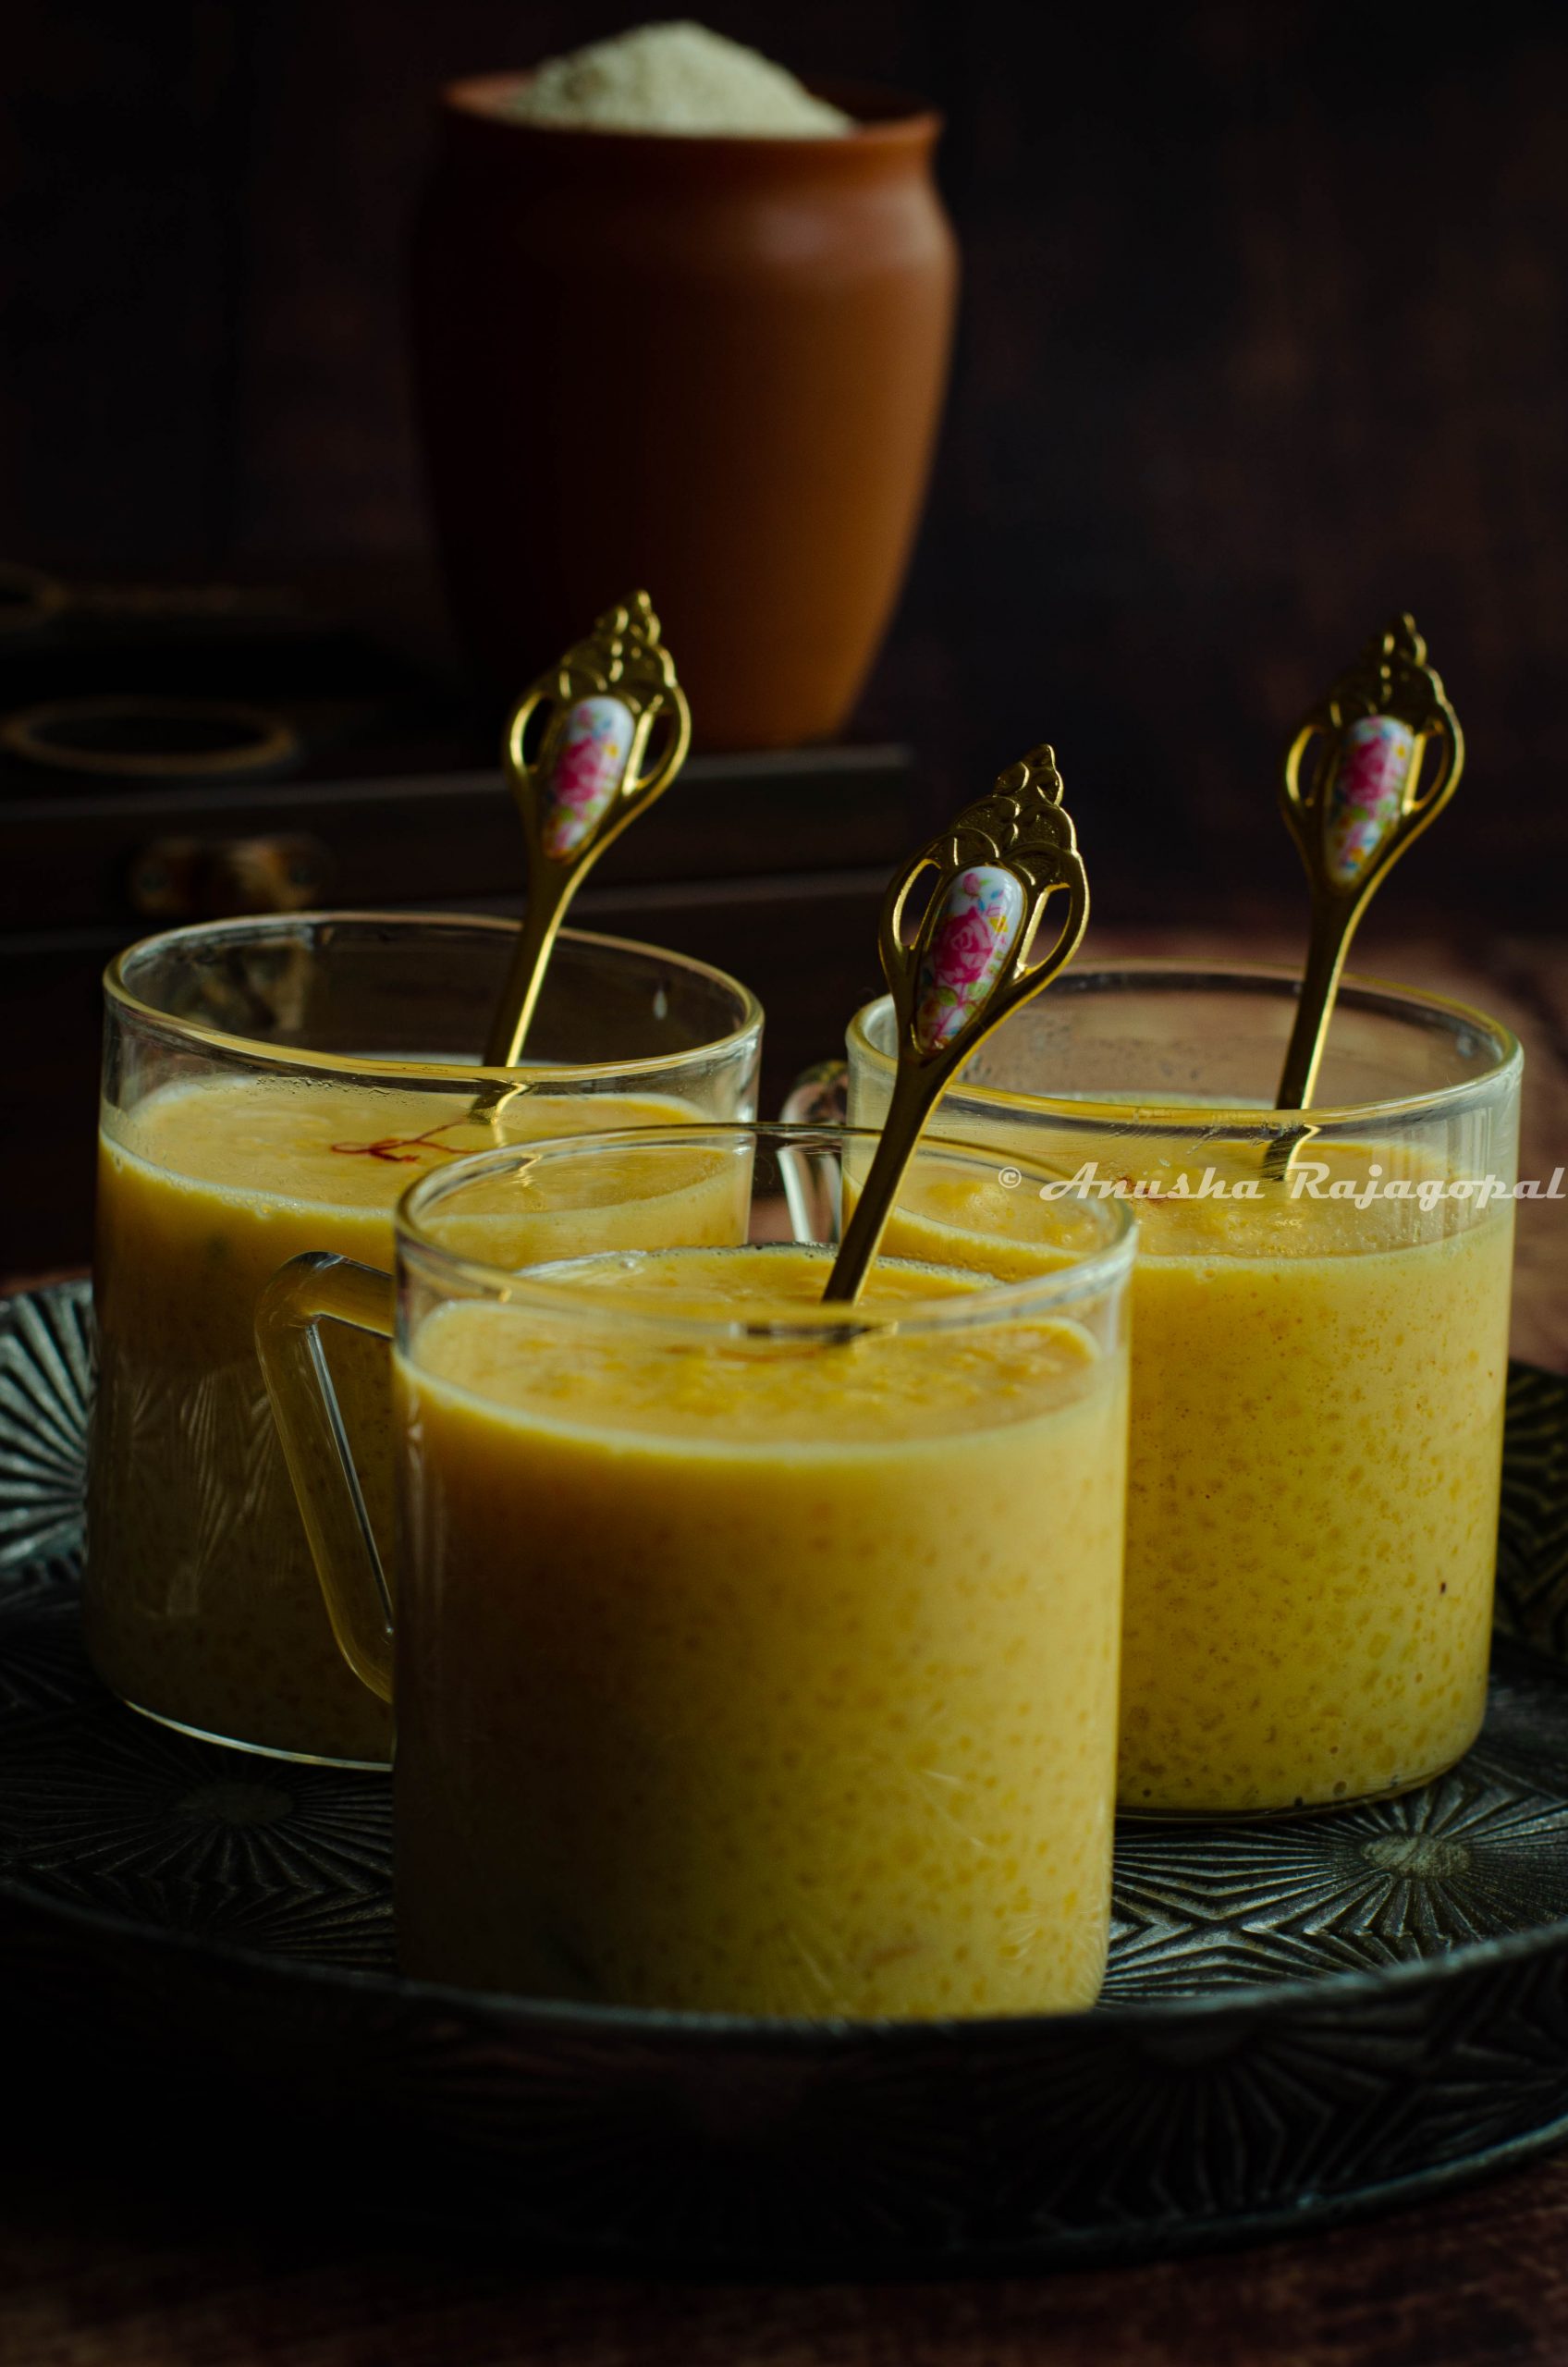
[(310, 1290)]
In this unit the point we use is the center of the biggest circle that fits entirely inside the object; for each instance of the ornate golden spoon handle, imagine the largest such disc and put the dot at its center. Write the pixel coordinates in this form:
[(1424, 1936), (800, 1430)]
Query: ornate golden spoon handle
[(594, 771), (1357, 808), (997, 867)]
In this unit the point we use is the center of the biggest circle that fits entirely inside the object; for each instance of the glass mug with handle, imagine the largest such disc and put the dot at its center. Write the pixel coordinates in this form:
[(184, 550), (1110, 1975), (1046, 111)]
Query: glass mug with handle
[(269, 1085), (1320, 1329), (750, 1656)]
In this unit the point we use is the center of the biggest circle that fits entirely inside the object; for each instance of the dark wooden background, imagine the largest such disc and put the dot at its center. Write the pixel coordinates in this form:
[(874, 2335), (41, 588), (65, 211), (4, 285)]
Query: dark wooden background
[(1263, 337)]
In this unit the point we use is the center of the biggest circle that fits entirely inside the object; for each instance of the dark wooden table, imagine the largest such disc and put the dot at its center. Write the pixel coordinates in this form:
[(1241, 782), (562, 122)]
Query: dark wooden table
[(95, 2280), (105, 2262)]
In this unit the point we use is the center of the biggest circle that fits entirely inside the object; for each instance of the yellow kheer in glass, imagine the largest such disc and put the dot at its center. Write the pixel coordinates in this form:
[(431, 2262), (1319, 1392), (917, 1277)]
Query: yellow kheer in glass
[(749, 1658), (272, 1085), (1319, 1367)]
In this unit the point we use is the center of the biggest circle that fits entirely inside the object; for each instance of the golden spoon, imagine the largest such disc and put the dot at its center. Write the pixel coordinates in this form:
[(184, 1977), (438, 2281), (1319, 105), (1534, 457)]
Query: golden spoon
[(1358, 809), (591, 773), (997, 867)]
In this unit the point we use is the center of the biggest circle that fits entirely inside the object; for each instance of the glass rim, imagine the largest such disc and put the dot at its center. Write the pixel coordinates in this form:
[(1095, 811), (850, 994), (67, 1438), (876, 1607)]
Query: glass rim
[(1104, 1266), (1242, 1118), (125, 999)]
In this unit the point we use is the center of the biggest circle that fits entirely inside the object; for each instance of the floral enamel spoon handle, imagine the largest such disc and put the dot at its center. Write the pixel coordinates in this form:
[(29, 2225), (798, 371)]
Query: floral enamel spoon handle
[(997, 867), (1358, 809), (594, 771)]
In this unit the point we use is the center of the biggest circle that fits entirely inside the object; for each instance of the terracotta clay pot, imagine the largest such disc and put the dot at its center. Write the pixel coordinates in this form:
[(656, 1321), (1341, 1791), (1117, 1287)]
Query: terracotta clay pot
[(711, 367)]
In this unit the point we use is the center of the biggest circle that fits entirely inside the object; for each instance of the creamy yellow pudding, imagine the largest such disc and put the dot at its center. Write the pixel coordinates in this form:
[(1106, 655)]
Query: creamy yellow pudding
[(1318, 1403), (772, 1675), (200, 1602), (1314, 1473)]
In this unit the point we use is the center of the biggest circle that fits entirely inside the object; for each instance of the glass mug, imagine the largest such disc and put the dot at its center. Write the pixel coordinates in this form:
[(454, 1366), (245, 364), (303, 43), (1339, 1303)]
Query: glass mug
[(271, 1085), (1319, 1367), (750, 1655)]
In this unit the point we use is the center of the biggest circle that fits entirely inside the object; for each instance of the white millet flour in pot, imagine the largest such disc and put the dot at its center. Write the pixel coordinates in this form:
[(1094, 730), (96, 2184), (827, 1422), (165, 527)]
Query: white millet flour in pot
[(676, 78)]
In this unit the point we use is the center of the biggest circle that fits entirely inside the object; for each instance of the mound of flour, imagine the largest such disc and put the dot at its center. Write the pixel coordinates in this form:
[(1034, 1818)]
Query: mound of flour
[(676, 77)]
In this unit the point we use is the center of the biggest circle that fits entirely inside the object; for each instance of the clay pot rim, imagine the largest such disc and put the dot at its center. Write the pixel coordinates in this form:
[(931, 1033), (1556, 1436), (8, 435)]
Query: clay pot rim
[(884, 118)]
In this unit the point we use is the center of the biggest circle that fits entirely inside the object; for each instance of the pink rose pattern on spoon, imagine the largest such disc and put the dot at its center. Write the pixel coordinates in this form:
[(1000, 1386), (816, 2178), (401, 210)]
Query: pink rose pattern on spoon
[(980, 918), (1367, 795), (596, 741)]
